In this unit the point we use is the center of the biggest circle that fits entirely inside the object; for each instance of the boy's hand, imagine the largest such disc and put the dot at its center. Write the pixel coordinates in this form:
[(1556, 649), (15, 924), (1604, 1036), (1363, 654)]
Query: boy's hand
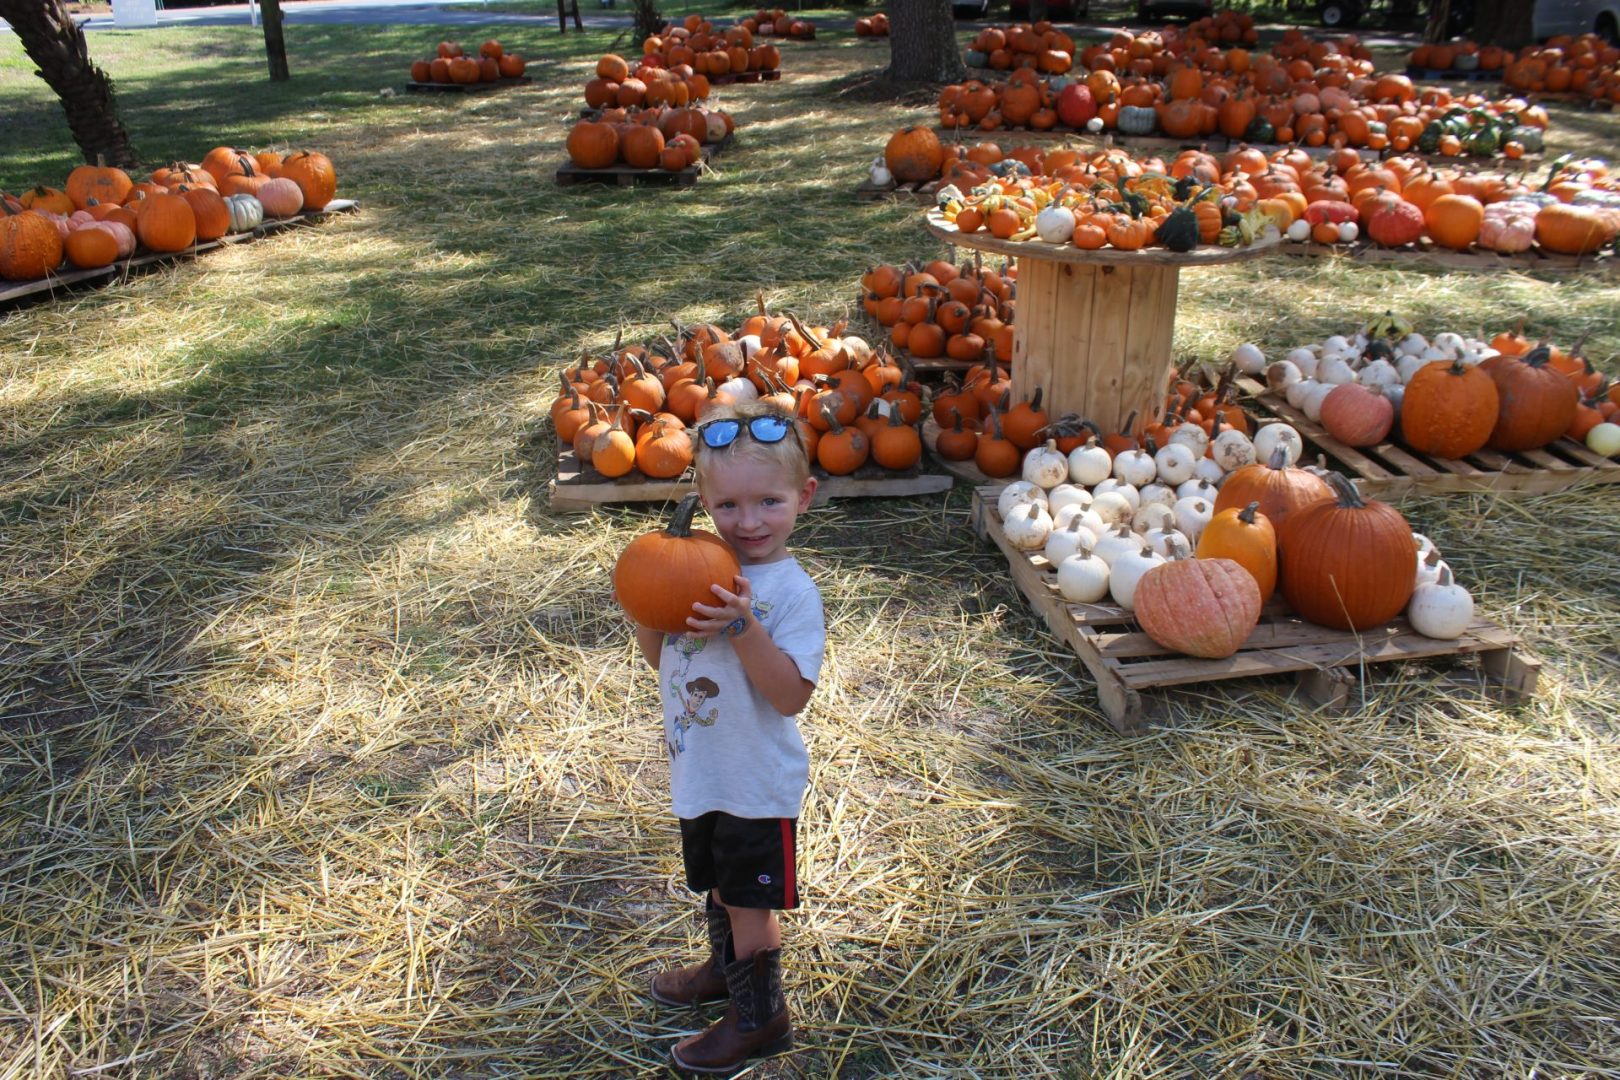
[(733, 616)]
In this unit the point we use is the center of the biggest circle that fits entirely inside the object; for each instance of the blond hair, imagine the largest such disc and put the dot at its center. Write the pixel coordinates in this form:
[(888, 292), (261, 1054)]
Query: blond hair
[(788, 455)]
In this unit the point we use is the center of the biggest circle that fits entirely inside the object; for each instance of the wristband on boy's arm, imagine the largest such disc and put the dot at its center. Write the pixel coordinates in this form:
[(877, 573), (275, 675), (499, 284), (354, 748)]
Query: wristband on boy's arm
[(735, 627)]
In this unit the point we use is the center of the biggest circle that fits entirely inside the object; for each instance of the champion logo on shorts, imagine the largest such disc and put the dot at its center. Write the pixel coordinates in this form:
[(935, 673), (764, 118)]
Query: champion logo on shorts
[(764, 879)]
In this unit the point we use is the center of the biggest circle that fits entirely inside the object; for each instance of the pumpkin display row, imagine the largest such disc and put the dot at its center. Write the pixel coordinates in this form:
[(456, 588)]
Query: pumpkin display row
[(632, 410), (1451, 396), (1041, 47), (1092, 208), (942, 310), (653, 138), (1586, 65), (649, 83), (102, 214), (699, 46), (1381, 114), (874, 25), (1196, 564), (452, 64)]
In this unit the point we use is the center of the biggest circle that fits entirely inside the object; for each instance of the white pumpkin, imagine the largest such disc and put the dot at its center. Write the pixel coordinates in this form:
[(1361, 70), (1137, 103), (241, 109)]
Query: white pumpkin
[(1197, 488), (1299, 230), (1055, 224), (1248, 359), (1066, 494), (1441, 609), (1272, 436), (1283, 374), (1348, 231), (880, 174), (738, 389), (1192, 515), (1165, 541), (1304, 359), (1135, 467), (1449, 343), (1423, 544), (1312, 405), (1017, 493), (1084, 516), (1113, 508), (1209, 471), (1116, 542), (1028, 527), (1090, 464), (1338, 345), (1296, 393), (1132, 495), (1604, 439), (1174, 463), (1378, 374), (1066, 541), (247, 212), (1412, 344), (1335, 370), (1157, 493), (1046, 465), (1082, 578), (1429, 567), (1396, 395), (1126, 571), (750, 345), (1409, 365), (1192, 437), (1153, 516), (1232, 450)]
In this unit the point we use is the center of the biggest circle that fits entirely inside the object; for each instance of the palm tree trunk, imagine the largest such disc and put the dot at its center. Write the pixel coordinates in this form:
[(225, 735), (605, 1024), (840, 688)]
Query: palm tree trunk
[(54, 42)]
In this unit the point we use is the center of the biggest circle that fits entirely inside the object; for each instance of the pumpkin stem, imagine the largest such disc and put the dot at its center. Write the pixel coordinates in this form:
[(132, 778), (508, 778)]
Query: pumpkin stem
[(1349, 497), (1246, 515), (807, 335), (680, 522), (1279, 458), (832, 420), (1537, 357)]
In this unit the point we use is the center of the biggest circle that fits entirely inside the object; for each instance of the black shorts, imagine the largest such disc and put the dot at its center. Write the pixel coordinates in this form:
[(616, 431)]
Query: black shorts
[(750, 860)]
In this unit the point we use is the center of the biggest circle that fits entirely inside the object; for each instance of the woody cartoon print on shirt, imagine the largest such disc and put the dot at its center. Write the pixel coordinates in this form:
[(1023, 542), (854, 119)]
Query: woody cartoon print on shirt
[(693, 694)]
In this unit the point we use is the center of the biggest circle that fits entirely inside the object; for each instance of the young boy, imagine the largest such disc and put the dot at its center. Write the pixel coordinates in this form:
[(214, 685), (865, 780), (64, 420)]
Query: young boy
[(731, 687)]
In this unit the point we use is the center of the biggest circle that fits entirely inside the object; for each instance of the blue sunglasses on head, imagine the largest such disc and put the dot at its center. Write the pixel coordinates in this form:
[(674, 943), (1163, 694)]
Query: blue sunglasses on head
[(765, 429)]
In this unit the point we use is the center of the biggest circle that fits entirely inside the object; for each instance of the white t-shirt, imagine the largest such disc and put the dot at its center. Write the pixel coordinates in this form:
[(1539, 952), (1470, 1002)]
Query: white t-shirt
[(729, 749)]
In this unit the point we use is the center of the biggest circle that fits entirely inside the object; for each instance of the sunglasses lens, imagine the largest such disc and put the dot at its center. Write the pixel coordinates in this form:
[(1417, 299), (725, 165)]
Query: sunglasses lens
[(769, 429), (718, 433)]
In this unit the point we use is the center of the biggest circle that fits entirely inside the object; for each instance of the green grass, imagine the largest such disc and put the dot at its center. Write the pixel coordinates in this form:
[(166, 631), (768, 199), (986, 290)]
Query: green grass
[(324, 750)]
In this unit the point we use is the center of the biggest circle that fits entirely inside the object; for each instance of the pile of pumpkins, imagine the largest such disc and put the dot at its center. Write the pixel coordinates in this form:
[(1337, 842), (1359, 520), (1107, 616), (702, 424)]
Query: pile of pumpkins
[(943, 310), (1264, 99), (656, 137), (874, 25), (697, 45), (452, 64), (1586, 65), (618, 85), (1041, 47), (1196, 560), (1461, 54), (102, 215), (633, 409), (1448, 397), (767, 22)]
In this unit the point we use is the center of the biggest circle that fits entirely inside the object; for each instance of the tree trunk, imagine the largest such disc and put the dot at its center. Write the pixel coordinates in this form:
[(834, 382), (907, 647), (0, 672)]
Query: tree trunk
[(648, 23), (54, 42), (1037, 10), (922, 42), (1503, 22), (275, 46)]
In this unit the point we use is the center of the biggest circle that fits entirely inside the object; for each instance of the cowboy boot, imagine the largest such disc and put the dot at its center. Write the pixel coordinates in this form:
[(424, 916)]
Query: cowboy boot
[(755, 1025), (704, 981)]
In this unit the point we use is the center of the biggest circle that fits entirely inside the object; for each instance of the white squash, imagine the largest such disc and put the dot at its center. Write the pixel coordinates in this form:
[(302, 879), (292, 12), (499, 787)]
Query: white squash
[(1338, 345), (1085, 517), (1175, 462), (1132, 495), (1378, 374), (738, 389), (1191, 517), (1312, 405), (1157, 493), (1090, 464), (750, 345), (1348, 231), (1299, 231), (1028, 527), (1423, 544), (1409, 365), (1441, 609), (1604, 439), (1046, 465), (1135, 467), (1165, 541), (1283, 374), (1232, 450), (1126, 571), (1016, 494), (1272, 436), (1082, 578), (880, 174), (1113, 508), (1412, 344), (1066, 494), (1397, 397), (1066, 541), (1192, 437), (1209, 471), (1451, 344), (1335, 370), (1296, 393), (1304, 359), (1153, 516), (1197, 488), (1248, 358), (1429, 567), (1116, 542), (1055, 224)]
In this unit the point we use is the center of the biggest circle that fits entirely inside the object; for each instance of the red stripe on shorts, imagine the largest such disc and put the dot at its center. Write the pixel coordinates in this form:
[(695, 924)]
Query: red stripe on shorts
[(789, 886)]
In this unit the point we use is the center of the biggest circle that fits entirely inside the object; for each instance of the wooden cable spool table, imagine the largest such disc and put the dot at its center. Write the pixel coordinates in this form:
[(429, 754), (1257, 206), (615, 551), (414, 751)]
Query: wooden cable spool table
[(1094, 328)]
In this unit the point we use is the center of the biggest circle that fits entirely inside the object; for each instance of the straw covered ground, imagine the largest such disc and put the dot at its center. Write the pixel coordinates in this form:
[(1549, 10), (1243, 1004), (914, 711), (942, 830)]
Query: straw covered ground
[(326, 753)]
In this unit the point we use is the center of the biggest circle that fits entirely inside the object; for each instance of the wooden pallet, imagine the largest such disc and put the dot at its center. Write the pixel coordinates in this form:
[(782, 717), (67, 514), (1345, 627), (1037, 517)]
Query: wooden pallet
[(582, 487), (1453, 75), (12, 292), (1214, 144), (1390, 472), (965, 471), (569, 174), (1131, 669), (746, 77), (1477, 260), (919, 191), (467, 88)]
